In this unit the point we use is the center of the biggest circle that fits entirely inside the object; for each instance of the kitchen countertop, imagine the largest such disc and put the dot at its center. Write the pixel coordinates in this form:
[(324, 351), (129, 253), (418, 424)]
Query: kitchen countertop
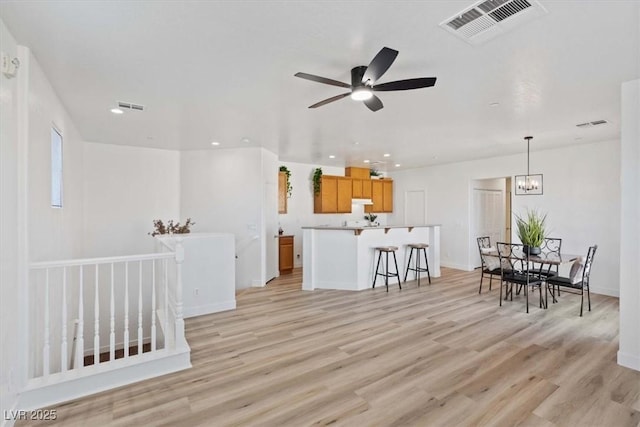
[(358, 230)]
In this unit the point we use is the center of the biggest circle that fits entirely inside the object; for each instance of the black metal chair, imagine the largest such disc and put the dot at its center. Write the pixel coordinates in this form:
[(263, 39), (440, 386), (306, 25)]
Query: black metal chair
[(514, 265), (577, 286), (550, 245), (488, 267)]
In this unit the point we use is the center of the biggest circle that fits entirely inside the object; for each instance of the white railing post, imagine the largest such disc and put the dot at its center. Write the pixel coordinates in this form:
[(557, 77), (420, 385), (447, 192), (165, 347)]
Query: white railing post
[(96, 321), (45, 349), (179, 332), (126, 310), (165, 265), (153, 305), (80, 339), (139, 308), (112, 321), (63, 344)]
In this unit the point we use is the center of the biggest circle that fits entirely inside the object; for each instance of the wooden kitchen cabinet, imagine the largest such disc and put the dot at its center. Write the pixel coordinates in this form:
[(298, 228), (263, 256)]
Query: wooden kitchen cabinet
[(361, 188), (282, 192), (357, 173), (285, 254), (334, 196), (381, 196)]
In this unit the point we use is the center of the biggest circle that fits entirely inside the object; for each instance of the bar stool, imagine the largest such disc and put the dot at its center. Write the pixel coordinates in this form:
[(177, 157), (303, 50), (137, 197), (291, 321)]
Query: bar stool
[(386, 250), (418, 269)]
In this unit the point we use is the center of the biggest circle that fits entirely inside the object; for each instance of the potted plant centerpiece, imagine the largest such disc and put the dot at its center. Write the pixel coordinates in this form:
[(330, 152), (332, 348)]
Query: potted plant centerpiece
[(531, 231)]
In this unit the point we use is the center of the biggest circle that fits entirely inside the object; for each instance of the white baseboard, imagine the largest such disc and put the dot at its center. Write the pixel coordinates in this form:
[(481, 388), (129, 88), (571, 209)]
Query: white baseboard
[(341, 286), (257, 284), (209, 308), (605, 291), (630, 361), (41, 393), (456, 266)]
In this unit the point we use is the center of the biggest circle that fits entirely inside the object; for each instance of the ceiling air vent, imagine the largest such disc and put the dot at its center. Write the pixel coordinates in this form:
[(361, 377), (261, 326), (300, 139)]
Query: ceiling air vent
[(486, 19), (130, 106), (590, 124)]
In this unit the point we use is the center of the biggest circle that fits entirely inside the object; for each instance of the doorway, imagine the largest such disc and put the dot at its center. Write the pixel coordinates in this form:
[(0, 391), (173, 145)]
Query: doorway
[(490, 212)]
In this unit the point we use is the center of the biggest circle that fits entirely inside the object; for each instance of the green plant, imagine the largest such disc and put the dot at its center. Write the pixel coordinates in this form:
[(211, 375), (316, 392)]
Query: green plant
[(531, 228), (171, 228), (288, 173), (371, 217), (373, 172), (317, 175)]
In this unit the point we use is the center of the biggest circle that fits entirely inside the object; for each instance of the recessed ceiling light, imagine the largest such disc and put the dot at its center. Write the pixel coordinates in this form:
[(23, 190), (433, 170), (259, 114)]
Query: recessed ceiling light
[(215, 143), (397, 165), (246, 140), (116, 111), (387, 155), (578, 138), (356, 143), (366, 161), (434, 157), (332, 156), (494, 104)]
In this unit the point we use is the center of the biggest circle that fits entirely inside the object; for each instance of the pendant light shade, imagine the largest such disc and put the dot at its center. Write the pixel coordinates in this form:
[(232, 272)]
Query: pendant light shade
[(528, 184)]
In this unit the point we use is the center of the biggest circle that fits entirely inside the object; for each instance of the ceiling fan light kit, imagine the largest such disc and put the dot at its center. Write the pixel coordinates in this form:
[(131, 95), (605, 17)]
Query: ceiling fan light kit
[(364, 78)]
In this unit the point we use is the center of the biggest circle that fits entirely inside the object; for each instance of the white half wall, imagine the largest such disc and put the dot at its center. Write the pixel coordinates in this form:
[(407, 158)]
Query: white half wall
[(581, 197), (629, 353), (300, 205), (125, 189)]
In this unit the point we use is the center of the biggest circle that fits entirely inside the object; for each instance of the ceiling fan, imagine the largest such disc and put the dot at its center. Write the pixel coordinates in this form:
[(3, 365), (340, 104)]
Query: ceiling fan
[(363, 81)]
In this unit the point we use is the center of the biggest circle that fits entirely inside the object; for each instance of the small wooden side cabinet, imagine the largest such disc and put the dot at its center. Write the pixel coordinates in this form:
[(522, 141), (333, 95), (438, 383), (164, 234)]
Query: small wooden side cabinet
[(286, 254)]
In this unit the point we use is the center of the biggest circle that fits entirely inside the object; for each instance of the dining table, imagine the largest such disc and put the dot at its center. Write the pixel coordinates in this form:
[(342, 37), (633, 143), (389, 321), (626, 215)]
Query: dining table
[(544, 259)]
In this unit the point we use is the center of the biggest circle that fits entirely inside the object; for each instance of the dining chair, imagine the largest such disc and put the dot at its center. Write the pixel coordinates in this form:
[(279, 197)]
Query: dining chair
[(550, 245), (578, 280), (515, 270), (490, 264)]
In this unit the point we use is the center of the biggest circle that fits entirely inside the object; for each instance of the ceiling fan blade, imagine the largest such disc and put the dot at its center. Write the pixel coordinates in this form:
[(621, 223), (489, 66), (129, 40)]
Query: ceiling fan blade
[(321, 80), (373, 103), (406, 84), (380, 64), (328, 100)]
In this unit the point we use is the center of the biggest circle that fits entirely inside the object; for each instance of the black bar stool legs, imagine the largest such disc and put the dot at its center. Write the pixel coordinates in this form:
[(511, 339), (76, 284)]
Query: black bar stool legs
[(386, 250), (418, 268)]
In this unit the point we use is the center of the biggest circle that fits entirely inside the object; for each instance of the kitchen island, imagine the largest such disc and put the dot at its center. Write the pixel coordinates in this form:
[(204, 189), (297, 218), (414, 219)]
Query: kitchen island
[(343, 257)]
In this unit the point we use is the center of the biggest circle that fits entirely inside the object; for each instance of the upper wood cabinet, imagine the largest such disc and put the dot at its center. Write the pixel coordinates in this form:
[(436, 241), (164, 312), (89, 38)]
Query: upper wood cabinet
[(381, 196), (361, 188), (357, 173), (334, 196), (282, 192)]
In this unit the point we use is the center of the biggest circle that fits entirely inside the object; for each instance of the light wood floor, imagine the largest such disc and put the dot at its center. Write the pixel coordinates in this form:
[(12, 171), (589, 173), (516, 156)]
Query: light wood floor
[(435, 355)]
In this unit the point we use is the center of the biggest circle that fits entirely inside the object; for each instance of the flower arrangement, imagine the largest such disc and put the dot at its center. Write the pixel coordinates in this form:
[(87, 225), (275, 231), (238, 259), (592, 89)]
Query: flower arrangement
[(171, 228)]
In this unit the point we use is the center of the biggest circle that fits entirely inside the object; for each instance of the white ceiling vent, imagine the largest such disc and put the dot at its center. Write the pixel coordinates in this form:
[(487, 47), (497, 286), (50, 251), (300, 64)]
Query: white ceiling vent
[(590, 124), (487, 19), (130, 106)]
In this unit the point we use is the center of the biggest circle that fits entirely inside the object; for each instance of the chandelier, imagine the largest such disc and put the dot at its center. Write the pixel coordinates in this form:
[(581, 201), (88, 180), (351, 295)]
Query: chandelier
[(528, 184)]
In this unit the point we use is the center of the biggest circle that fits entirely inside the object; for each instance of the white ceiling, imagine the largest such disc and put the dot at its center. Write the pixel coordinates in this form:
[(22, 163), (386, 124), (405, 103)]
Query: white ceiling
[(224, 71)]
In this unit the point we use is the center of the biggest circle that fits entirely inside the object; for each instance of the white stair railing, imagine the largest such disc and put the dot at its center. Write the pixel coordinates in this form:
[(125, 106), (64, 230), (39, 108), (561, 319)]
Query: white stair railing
[(95, 295)]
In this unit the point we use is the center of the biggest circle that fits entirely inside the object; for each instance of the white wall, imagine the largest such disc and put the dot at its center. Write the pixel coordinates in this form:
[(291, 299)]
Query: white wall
[(629, 354), (11, 366), (300, 205), (581, 197), (221, 190), (125, 189), (54, 233)]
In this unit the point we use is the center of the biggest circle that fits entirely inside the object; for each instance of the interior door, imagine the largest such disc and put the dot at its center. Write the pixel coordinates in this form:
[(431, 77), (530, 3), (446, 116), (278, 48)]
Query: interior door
[(271, 230), (488, 214)]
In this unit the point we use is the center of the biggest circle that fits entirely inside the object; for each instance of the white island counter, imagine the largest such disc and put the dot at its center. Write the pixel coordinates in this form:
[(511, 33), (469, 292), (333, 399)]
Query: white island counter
[(343, 257)]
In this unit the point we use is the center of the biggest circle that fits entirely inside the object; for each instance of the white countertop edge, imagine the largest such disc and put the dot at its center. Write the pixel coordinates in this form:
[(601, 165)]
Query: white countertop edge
[(381, 227)]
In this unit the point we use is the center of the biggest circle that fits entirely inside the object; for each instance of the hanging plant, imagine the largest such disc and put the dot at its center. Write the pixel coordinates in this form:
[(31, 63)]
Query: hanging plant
[(317, 175), (288, 173)]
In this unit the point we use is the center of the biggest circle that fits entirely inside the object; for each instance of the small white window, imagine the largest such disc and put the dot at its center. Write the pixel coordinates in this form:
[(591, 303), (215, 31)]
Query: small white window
[(56, 168)]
